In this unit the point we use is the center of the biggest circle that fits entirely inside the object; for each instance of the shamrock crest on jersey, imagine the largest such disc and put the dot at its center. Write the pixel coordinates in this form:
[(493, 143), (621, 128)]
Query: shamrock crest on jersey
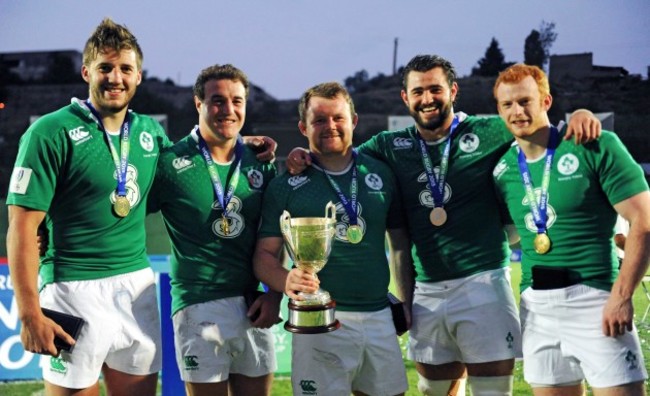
[(468, 142), (568, 164)]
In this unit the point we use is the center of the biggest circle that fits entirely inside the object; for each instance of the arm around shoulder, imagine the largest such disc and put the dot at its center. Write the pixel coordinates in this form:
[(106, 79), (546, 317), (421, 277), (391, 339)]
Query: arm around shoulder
[(584, 125)]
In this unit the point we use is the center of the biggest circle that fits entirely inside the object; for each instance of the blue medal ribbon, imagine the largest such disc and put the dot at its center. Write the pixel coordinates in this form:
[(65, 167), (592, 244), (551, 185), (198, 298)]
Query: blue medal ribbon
[(539, 212), (224, 198), (437, 185), (350, 205), (121, 161)]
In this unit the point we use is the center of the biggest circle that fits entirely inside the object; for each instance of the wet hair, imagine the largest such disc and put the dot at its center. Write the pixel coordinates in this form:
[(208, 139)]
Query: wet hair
[(219, 72), (328, 90), (424, 63), (109, 35), (517, 72)]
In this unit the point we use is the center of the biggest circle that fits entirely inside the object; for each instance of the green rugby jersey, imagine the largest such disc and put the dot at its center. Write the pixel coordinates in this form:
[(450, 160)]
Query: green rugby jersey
[(356, 275), (64, 167), (586, 181), (206, 263), (472, 240)]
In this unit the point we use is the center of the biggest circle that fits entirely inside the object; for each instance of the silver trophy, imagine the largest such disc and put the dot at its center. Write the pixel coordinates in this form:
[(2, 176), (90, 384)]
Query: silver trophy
[(309, 243)]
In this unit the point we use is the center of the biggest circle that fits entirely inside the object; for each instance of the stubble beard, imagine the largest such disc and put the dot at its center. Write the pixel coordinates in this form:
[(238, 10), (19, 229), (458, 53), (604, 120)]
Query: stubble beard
[(434, 123)]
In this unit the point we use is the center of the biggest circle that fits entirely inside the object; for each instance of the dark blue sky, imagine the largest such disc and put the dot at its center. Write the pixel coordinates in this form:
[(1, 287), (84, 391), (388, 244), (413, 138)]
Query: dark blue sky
[(285, 46)]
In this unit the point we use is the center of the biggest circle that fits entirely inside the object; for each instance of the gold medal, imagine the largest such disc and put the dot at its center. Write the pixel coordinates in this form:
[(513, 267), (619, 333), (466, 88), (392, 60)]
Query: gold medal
[(438, 216), (225, 225), (542, 244), (121, 206), (354, 234)]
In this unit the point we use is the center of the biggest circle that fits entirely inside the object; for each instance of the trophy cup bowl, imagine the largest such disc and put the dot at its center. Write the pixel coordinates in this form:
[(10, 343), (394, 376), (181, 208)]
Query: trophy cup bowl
[(309, 243)]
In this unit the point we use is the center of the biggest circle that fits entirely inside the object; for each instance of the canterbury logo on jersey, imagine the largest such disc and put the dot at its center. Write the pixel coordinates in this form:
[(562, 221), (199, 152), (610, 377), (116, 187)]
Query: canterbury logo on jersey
[(402, 143), (182, 163), (78, 135), (297, 181), (500, 169)]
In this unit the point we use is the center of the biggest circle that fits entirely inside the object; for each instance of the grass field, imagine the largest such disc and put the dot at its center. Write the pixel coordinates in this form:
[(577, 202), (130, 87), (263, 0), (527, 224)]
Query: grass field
[(282, 385)]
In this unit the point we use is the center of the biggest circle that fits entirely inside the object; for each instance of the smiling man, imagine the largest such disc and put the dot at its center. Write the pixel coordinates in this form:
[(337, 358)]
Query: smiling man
[(90, 166), (209, 189), (576, 307), (363, 356)]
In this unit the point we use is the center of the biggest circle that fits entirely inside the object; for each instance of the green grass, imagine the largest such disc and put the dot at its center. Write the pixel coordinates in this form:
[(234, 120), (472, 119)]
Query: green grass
[(282, 385)]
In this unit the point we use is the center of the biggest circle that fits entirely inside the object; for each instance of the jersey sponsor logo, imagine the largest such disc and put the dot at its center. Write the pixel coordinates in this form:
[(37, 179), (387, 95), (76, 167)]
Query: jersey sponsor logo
[(255, 178), (235, 219), (20, 180), (401, 143), (78, 135), (425, 197), (297, 181), (146, 141), (500, 169), (551, 215), (341, 227), (182, 162), (308, 387), (374, 181), (468, 142), (568, 164), (132, 186)]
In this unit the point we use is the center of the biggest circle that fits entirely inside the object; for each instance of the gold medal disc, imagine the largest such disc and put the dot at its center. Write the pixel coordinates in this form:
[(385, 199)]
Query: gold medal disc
[(542, 244), (121, 206), (225, 225), (438, 216), (354, 234)]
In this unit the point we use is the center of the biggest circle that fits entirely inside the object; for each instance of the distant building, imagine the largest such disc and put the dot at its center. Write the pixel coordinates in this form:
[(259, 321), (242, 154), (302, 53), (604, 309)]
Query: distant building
[(581, 67), (33, 66)]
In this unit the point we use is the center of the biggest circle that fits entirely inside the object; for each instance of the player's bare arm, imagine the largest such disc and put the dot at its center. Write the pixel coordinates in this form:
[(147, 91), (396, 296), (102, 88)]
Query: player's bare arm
[(619, 312)]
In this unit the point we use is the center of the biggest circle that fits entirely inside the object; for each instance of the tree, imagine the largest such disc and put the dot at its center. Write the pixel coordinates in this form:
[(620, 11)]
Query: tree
[(358, 82), (492, 63), (538, 44)]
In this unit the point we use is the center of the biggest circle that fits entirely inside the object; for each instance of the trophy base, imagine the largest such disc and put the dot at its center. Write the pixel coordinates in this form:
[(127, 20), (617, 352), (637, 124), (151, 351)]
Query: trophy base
[(311, 319)]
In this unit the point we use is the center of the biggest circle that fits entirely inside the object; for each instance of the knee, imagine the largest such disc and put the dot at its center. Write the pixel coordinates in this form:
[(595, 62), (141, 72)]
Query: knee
[(491, 386), (429, 387)]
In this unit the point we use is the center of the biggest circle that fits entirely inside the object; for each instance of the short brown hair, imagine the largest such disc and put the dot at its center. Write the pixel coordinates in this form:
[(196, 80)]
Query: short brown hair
[(109, 35), (328, 90), (219, 72), (518, 72), (424, 63)]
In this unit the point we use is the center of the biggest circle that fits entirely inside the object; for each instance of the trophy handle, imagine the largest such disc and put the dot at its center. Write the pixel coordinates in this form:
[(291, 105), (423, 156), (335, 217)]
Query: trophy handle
[(285, 227), (330, 211)]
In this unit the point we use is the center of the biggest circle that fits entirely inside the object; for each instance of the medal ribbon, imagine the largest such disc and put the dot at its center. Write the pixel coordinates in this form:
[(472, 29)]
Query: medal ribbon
[(351, 204), (121, 161), (224, 199), (539, 211), (437, 186)]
